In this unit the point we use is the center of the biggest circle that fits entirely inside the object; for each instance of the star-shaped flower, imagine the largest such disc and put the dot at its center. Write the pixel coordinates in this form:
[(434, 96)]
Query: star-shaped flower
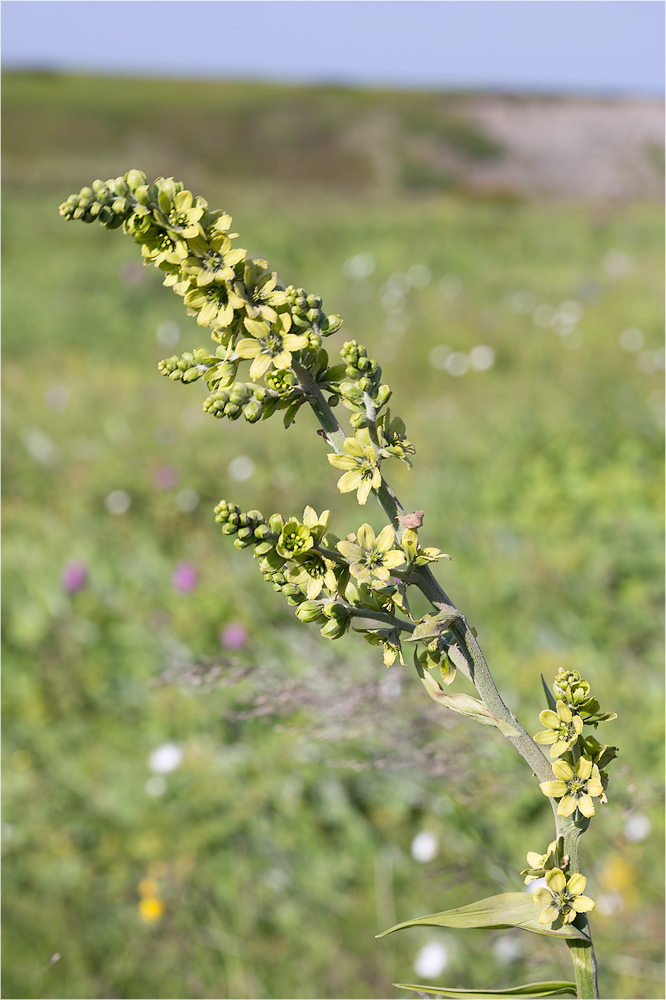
[(563, 728), (574, 787), (371, 558), (361, 469), (562, 899)]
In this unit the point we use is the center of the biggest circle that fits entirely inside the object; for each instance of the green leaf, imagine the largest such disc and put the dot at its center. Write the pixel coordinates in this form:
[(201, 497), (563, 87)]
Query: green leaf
[(555, 988), (508, 909), (461, 703), (550, 698)]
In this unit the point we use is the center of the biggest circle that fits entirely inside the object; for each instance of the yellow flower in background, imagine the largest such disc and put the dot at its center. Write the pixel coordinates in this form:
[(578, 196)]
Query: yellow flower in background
[(151, 909)]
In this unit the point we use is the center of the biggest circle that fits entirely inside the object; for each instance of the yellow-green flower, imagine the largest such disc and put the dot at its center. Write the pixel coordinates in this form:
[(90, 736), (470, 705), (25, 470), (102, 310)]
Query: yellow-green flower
[(574, 787), (179, 212), (362, 470), (313, 572), (215, 265), (390, 640), (563, 728), (562, 899), (295, 539), (160, 247), (371, 558), (269, 345), (540, 864), (211, 305), (258, 295)]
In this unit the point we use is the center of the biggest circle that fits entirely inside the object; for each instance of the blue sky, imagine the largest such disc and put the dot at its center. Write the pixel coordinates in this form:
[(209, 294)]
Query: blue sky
[(563, 46)]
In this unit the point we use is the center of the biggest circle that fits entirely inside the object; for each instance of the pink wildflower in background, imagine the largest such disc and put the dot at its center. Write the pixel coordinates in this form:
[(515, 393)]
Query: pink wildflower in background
[(233, 636), (73, 577), (165, 477), (184, 578)]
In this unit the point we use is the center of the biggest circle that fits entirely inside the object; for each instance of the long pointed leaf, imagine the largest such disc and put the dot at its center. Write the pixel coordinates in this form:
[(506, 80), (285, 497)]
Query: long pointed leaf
[(508, 909), (549, 989), (550, 698)]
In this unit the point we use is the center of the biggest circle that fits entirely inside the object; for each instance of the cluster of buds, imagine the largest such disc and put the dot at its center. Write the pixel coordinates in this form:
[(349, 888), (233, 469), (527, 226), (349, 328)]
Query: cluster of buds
[(249, 527), (108, 202), (253, 401), (362, 391), (188, 367)]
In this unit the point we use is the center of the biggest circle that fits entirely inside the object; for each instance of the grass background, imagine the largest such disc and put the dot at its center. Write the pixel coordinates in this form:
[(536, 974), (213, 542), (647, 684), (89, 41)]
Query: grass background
[(281, 844)]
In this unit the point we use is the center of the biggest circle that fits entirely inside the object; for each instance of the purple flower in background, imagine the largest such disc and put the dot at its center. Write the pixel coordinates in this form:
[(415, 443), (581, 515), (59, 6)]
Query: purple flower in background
[(233, 636), (184, 578), (165, 477), (73, 577)]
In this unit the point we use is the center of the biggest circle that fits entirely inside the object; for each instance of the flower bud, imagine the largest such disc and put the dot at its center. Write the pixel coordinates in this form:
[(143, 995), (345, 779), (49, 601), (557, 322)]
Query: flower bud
[(309, 611), (334, 609), (334, 629), (382, 395), (135, 179), (142, 195), (253, 411), (276, 523)]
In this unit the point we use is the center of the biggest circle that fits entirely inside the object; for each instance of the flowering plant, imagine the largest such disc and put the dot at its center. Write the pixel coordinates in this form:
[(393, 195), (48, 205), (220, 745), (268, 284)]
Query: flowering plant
[(362, 580)]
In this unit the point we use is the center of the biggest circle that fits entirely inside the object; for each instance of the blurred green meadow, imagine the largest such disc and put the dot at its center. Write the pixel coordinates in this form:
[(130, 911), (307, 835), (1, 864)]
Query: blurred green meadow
[(202, 796)]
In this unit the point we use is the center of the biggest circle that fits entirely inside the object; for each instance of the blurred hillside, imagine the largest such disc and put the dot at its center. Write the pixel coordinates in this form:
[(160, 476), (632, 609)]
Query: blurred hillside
[(362, 142)]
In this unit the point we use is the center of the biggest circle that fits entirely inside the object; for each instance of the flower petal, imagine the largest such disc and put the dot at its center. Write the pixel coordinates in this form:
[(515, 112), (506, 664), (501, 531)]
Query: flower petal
[(341, 461), (247, 348), (349, 481), (352, 447), (553, 789), (555, 880), (576, 884), (550, 914), (549, 718), (563, 770), (567, 806), (366, 536), (581, 904), (564, 712), (586, 805), (546, 737), (385, 538), (584, 768), (259, 366), (349, 550), (364, 491)]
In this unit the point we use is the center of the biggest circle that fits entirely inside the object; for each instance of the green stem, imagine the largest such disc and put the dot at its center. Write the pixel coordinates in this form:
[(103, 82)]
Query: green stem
[(582, 952)]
